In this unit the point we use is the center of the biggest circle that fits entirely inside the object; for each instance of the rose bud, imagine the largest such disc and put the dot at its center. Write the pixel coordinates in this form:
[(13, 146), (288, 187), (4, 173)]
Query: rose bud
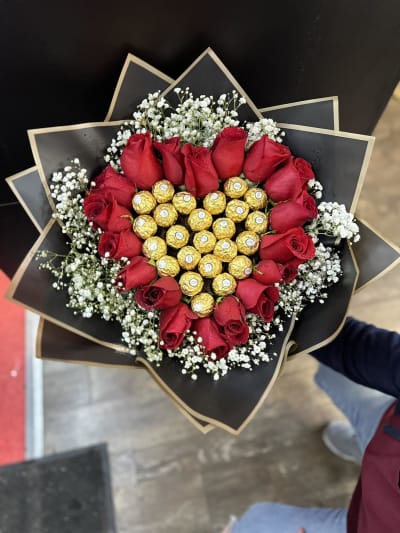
[(227, 152), (293, 213), (212, 337), (106, 213), (139, 162), (200, 174), (117, 245), (162, 294), (263, 157), (118, 186), (230, 315), (258, 298), (139, 272), (267, 272), (174, 323), (304, 169), (285, 183), (172, 159), (283, 247)]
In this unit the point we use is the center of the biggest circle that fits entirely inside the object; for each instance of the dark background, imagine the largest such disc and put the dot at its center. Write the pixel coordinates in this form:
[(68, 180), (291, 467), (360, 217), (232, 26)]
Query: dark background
[(60, 61)]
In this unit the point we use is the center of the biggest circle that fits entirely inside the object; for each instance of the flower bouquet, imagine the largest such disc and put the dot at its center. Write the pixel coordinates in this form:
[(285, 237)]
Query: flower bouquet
[(192, 236)]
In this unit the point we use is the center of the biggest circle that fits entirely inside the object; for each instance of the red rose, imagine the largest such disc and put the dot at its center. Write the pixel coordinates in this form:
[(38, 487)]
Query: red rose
[(293, 213), (200, 174), (227, 152), (304, 169), (212, 338), (172, 159), (137, 273), (285, 183), (290, 270), (101, 209), (174, 323), (119, 186), (230, 315), (139, 162), (283, 247), (263, 157), (258, 298), (117, 245), (163, 293), (267, 272)]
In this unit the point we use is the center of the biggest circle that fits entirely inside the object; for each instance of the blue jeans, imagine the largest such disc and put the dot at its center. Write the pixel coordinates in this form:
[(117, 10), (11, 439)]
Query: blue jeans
[(364, 408)]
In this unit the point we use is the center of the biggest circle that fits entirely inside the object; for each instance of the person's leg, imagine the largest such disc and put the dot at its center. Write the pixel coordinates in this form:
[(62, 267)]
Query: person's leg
[(280, 518), (362, 406)]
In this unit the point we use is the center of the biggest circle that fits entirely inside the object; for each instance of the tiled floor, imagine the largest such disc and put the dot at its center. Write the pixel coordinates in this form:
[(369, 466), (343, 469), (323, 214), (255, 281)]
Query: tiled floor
[(167, 477)]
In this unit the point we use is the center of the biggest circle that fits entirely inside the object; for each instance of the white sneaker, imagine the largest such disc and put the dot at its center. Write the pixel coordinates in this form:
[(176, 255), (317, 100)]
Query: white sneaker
[(340, 438)]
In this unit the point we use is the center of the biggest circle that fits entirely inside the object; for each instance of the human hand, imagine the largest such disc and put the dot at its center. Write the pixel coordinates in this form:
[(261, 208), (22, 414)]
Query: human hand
[(301, 530)]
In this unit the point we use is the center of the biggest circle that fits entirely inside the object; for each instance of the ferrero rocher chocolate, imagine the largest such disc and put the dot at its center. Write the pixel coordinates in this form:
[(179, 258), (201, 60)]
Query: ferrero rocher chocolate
[(154, 248), (256, 198), (240, 267), (224, 228), (235, 187), (191, 283), (167, 266), (215, 202), (225, 249), (257, 222), (184, 202), (188, 257), (177, 236), (165, 215), (237, 210), (143, 202), (224, 284), (199, 219), (247, 242), (204, 241), (210, 266), (145, 226), (163, 191), (202, 304)]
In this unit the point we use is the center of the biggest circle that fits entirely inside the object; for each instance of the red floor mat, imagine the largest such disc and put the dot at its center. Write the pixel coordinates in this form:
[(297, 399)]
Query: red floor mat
[(12, 379)]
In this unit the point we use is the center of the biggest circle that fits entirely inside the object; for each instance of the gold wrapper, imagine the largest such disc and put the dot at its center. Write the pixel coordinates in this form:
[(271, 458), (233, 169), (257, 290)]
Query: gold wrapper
[(154, 248), (224, 228), (163, 191), (191, 283), (165, 215), (247, 242), (235, 187), (210, 266), (256, 198), (226, 250), (143, 202), (167, 266), (257, 222), (177, 236), (184, 202), (204, 241), (145, 226), (215, 202), (240, 267), (188, 257), (237, 210), (199, 219), (202, 304), (224, 284)]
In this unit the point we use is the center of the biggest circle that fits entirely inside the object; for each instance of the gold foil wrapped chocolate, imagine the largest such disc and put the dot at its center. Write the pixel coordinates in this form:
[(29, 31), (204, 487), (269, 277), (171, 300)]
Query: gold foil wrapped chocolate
[(154, 248), (199, 219), (204, 241), (165, 215), (215, 202), (224, 228), (191, 283), (144, 226), (210, 266), (202, 304), (235, 187), (177, 236), (188, 257), (224, 284), (167, 266), (184, 202), (237, 210), (240, 267), (163, 191), (257, 222), (247, 242), (143, 202), (256, 198), (225, 249)]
